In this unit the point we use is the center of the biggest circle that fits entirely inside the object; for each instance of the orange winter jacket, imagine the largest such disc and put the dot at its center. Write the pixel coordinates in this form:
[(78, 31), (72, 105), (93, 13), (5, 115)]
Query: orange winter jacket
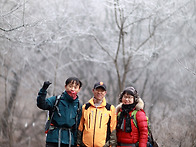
[(94, 124)]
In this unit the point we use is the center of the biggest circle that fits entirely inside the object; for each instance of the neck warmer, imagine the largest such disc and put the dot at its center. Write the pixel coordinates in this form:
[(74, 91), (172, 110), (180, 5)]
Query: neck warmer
[(97, 102), (73, 94), (125, 114)]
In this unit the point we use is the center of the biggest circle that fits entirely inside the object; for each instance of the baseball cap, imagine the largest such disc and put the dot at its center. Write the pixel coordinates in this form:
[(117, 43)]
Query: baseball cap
[(100, 84)]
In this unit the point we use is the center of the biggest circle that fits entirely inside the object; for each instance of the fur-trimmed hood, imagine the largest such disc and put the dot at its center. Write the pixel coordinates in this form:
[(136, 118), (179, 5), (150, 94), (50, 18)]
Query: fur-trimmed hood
[(140, 105)]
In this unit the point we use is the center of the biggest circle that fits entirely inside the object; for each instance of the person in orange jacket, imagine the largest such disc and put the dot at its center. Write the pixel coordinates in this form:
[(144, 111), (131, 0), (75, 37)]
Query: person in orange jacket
[(97, 126), (127, 133)]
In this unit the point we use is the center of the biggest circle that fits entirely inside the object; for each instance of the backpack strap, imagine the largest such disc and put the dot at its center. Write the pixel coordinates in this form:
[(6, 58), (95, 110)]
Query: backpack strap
[(79, 105), (55, 107), (133, 114), (87, 106), (56, 104), (108, 106), (108, 129), (51, 113), (77, 115)]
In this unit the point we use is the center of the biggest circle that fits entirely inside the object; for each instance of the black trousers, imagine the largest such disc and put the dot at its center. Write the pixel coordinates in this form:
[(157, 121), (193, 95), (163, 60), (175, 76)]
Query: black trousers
[(51, 144)]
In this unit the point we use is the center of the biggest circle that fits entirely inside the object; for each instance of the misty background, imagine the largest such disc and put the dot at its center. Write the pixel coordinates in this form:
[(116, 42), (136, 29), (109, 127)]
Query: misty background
[(150, 45)]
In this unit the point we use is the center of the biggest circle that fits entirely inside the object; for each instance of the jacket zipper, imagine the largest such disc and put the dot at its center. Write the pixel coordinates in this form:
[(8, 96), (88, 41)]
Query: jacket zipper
[(89, 121), (100, 121), (94, 127)]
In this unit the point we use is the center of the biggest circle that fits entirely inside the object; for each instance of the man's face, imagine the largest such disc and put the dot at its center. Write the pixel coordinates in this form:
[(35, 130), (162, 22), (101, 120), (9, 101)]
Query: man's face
[(99, 93), (72, 87)]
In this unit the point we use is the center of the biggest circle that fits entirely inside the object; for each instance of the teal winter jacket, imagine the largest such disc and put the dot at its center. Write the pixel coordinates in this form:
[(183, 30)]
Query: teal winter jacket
[(66, 120)]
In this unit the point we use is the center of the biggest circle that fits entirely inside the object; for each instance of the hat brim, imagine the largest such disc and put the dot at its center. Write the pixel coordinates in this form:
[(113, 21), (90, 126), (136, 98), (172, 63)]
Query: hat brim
[(100, 86)]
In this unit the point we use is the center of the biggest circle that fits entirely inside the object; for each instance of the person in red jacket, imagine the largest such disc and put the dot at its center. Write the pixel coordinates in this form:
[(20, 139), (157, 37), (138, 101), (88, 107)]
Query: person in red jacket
[(128, 135)]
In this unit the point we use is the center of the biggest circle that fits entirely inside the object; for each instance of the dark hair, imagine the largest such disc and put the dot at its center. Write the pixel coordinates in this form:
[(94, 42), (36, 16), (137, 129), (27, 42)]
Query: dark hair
[(73, 79), (130, 91)]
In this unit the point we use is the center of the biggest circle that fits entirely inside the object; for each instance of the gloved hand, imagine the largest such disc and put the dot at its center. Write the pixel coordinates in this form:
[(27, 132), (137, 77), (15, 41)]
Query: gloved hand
[(46, 85)]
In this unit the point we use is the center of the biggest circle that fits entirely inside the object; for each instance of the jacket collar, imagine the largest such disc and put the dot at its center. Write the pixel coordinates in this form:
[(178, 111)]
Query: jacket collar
[(103, 104)]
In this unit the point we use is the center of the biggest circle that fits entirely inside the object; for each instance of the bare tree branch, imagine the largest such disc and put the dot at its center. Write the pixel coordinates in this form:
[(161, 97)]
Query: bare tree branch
[(12, 29), (102, 47), (187, 68)]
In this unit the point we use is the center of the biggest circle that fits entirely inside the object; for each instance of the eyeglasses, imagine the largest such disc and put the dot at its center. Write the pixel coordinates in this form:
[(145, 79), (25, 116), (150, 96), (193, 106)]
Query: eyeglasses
[(129, 97)]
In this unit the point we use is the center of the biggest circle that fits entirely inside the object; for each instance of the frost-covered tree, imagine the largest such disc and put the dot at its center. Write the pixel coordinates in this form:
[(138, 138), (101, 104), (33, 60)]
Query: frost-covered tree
[(146, 44)]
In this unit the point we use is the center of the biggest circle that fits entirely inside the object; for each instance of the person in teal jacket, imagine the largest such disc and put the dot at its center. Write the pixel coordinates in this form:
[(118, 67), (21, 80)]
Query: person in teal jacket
[(63, 129)]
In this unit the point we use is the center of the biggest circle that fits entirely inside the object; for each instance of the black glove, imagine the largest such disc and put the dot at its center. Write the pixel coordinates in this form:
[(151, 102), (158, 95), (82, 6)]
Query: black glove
[(46, 85)]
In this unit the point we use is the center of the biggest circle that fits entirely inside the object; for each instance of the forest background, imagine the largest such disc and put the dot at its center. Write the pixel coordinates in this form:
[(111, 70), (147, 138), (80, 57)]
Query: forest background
[(146, 44)]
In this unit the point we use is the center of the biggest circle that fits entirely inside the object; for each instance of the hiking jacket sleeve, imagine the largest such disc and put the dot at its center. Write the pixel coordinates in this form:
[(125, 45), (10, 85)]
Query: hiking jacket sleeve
[(143, 128), (41, 100)]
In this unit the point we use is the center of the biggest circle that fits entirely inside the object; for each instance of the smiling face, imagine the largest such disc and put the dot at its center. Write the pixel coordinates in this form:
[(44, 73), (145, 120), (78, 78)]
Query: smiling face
[(127, 99), (99, 93)]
